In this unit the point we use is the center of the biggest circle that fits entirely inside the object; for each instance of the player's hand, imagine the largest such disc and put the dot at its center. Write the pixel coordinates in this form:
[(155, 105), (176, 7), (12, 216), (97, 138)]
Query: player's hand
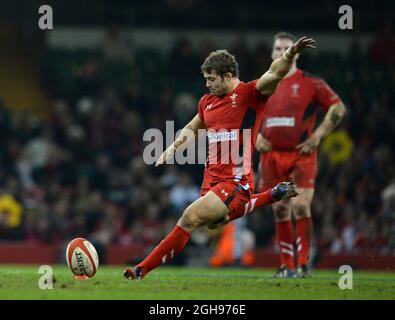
[(284, 190), (309, 145), (166, 156), (302, 44), (262, 144)]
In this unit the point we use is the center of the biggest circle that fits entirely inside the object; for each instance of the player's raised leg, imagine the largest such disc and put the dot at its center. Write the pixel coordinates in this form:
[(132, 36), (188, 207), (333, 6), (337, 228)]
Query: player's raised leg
[(304, 229), (201, 212), (283, 190)]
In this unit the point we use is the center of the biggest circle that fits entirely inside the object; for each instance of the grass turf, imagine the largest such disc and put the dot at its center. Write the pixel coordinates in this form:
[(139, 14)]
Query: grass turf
[(21, 282)]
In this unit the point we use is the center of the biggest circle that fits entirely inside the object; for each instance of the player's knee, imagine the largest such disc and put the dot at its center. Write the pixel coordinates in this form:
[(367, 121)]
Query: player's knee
[(302, 209), (282, 212)]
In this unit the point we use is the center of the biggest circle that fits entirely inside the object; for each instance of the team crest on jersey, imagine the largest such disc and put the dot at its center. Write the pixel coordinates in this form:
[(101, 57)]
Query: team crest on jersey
[(209, 106), (295, 90), (233, 97)]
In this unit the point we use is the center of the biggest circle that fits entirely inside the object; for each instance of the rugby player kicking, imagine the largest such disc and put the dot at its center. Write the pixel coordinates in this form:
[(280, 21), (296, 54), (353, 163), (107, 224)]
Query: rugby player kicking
[(232, 113)]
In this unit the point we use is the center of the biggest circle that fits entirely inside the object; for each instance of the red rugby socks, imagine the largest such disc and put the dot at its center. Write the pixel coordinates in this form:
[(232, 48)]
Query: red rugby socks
[(174, 242), (304, 233), (285, 240)]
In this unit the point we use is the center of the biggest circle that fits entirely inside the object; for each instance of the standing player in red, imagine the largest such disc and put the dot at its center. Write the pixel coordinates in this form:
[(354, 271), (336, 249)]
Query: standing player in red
[(288, 145), (232, 113)]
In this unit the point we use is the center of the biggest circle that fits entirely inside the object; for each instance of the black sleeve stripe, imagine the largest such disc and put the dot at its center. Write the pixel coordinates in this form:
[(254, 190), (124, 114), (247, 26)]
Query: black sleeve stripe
[(247, 123), (311, 108), (249, 119)]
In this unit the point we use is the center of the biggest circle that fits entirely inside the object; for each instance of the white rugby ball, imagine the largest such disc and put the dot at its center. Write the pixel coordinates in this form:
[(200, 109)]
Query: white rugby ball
[(82, 257)]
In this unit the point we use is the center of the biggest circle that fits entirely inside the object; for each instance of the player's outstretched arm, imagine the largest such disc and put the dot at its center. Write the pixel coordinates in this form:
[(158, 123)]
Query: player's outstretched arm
[(267, 84), (188, 134), (333, 117)]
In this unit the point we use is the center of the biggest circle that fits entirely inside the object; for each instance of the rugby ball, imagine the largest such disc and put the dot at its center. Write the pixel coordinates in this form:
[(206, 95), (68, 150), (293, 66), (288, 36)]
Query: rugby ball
[(82, 258)]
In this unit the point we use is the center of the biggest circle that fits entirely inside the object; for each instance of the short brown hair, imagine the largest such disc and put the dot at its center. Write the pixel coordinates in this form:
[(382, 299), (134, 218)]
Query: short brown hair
[(285, 35), (221, 62)]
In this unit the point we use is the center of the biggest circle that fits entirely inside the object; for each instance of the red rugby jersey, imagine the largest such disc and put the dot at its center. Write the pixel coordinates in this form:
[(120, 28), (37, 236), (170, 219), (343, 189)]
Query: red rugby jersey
[(290, 113), (230, 146)]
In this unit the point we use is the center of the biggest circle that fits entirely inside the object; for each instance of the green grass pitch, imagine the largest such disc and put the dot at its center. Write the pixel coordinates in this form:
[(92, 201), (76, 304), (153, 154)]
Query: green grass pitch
[(21, 282)]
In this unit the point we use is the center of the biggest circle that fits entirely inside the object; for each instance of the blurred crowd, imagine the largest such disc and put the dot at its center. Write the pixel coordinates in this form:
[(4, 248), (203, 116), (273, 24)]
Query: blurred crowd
[(80, 171)]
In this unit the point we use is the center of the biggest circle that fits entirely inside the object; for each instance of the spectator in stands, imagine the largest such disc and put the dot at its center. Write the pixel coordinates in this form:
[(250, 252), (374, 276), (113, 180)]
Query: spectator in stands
[(183, 63), (114, 48), (88, 82), (10, 211), (388, 198)]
